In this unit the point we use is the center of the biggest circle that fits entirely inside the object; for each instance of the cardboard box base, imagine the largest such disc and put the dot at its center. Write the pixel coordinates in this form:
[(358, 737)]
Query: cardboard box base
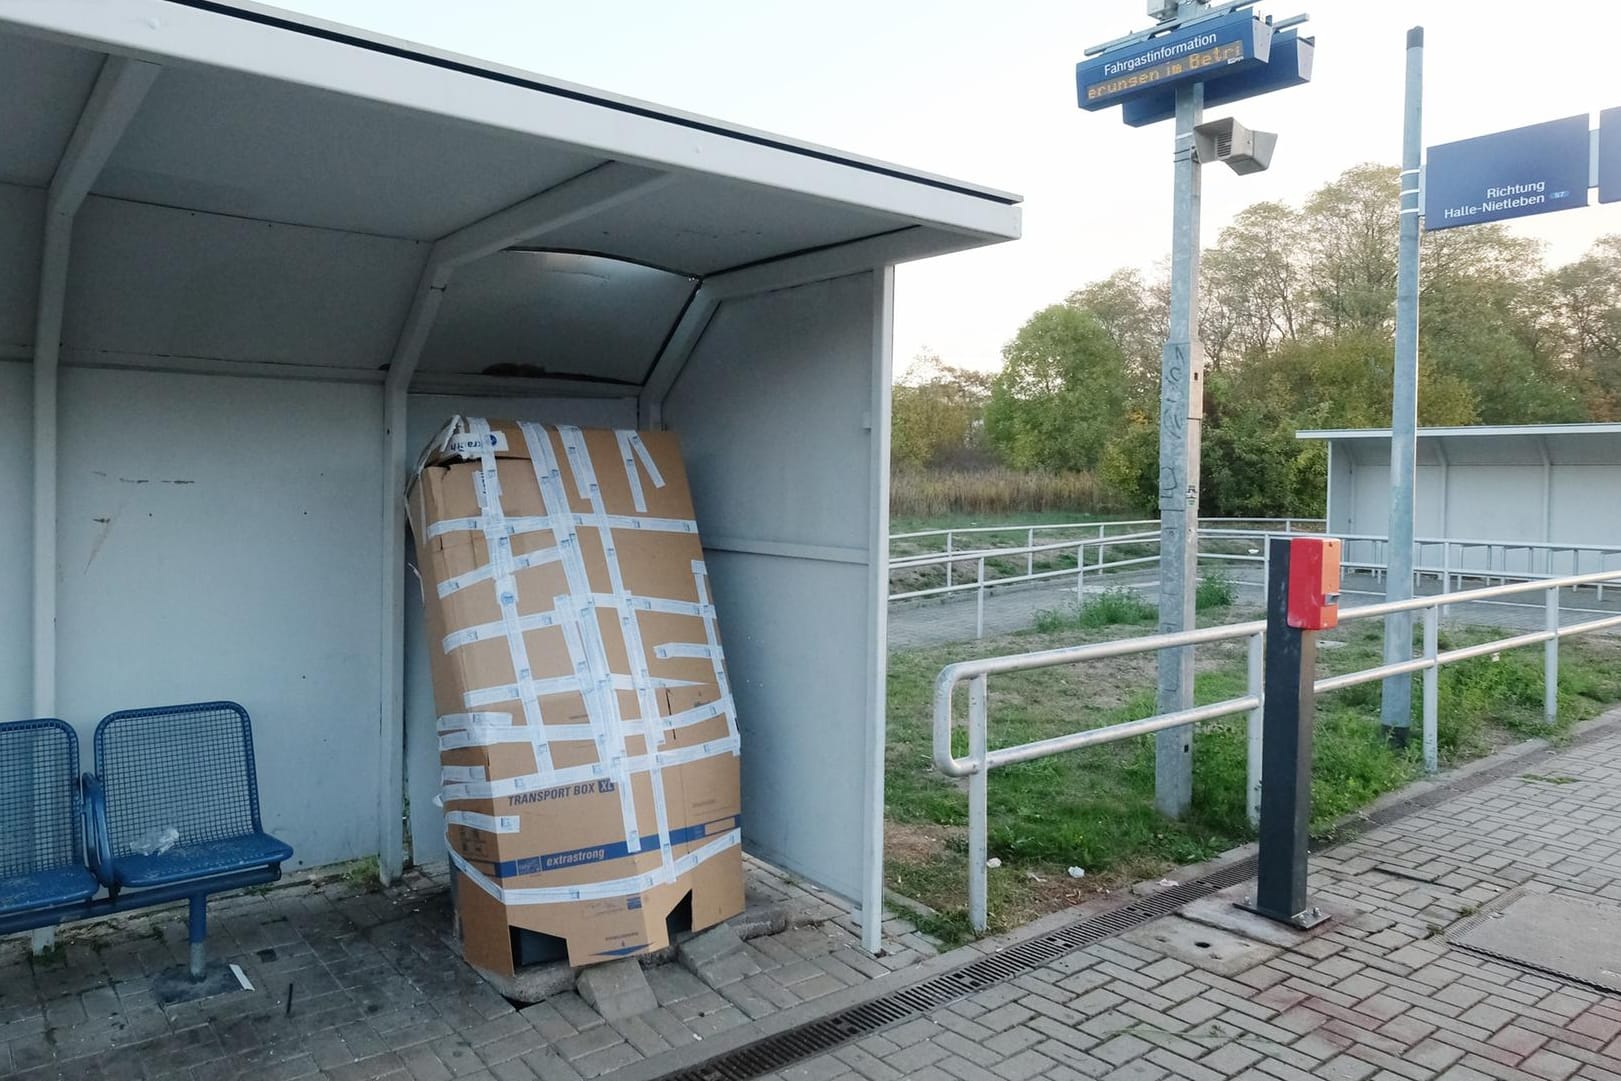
[(496, 939)]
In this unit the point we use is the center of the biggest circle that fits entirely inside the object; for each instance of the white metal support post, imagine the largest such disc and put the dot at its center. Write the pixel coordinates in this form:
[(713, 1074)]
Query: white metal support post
[(117, 95), (978, 805), (1396, 696), (1550, 659), (872, 863), (114, 100), (580, 197), (1180, 422)]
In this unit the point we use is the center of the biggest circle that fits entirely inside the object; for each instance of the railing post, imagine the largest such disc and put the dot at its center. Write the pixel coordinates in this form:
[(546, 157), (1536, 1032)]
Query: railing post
[(948, 559), (978, 827), (1550, 660), (1446, 566), (1080, 573), (1432, 686), (1030, 554), (1256, 689), (1266, 563), (979, 622)]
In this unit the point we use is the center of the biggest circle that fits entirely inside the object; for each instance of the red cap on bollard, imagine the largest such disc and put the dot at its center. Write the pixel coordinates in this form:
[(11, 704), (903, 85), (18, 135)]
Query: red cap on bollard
[(1314, 583)]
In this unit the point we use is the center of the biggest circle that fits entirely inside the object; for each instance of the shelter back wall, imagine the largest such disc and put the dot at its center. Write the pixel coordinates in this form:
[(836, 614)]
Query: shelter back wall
[(218, 540)]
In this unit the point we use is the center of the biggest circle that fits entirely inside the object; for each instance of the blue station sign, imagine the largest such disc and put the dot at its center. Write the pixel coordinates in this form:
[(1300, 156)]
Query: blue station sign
[(1210, 49), (1289, 65), (1509, 174), (1609, 156)]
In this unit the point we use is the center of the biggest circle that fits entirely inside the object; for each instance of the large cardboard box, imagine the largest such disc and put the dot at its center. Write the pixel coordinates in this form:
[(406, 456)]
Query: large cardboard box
[(587, 735)]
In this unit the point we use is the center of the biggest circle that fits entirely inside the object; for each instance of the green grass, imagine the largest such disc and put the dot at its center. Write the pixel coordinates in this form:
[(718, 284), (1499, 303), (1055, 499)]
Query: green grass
[(1094, 808)]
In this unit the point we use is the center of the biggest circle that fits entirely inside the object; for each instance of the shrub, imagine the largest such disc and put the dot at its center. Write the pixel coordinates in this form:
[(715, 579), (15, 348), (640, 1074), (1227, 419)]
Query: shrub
[(1215, 591)]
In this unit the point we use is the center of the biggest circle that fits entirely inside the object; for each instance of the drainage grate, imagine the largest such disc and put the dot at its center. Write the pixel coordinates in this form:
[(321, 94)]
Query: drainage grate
[(824, 1034), (816, 1037)]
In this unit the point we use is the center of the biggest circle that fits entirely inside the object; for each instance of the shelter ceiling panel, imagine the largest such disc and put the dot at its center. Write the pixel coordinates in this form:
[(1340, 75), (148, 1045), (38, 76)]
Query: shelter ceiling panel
[(558, 314), (156, 281), (232, 143), (43, 87), (22, 215), (701, 225)]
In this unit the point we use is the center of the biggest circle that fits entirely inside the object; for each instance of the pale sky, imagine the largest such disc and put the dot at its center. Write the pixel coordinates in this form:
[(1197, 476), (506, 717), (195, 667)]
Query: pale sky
[(986, 93)]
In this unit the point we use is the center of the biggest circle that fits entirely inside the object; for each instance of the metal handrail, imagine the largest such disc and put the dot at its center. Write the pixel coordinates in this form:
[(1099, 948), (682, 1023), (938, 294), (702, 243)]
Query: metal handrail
[(1445, 572), (980, 760)]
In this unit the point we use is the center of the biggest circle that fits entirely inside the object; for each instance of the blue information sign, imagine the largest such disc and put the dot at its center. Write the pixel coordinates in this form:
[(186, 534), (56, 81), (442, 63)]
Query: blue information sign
[(1290, 65), (1210, 49), (1509, 174), (1609, 156)]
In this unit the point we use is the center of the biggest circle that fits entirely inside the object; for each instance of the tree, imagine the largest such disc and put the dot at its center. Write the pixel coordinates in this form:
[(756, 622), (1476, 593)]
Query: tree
[(1587, 297), (1061, 390), (1136, 317), (937, 413), (1350, 229), (1253, 284)]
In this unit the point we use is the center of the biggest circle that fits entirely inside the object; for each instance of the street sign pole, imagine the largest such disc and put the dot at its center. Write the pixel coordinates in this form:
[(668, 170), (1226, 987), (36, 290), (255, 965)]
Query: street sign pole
[(1181, 412), (1396, 696)]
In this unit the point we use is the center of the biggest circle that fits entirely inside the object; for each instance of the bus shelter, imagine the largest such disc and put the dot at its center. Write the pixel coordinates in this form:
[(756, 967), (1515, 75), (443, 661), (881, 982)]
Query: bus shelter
[(254, 261)]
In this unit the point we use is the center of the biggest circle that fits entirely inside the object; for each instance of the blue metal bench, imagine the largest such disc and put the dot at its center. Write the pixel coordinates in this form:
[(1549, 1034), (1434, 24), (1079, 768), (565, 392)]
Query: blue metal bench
[(171, 812), (43, 878)]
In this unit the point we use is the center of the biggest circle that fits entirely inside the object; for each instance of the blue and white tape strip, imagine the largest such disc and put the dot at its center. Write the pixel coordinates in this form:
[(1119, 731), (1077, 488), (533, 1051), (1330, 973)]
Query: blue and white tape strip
[(595, 891)]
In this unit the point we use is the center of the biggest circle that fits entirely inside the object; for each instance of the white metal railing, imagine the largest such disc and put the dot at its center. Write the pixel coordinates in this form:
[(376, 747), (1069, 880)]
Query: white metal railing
[(1447, 560), (980, 759), (1104, 536)]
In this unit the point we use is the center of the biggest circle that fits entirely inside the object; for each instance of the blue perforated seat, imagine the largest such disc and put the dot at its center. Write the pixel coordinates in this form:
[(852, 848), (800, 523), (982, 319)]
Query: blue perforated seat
[(198, 860), (47, 889), (41, 847), (179, 783)]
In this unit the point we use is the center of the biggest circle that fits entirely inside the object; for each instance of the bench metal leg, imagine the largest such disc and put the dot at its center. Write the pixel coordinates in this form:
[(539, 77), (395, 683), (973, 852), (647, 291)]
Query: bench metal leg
[(198, 925)]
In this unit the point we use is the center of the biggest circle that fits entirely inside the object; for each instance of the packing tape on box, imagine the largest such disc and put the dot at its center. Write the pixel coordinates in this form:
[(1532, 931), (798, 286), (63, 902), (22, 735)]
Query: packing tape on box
[(539, 557), (596, 891), (630, 632), (511, 692), (487, 823), (700, 580), (632, 450), (584, 637), (498, 540), (576, 616), (533, 524), (675, 650), (456, 732), (590, 771)]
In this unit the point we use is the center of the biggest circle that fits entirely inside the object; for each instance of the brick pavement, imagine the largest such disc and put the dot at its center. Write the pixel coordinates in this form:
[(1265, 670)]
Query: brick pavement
[(1381, 996), (376, 992), (353, 985)]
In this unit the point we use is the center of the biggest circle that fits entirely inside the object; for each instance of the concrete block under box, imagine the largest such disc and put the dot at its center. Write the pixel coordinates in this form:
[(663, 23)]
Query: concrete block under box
[(587, 735)]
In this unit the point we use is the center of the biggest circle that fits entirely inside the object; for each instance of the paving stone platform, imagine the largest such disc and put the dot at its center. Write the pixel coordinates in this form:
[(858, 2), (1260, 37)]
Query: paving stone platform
[(1380, 996), (357, 985), (354, 984)]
